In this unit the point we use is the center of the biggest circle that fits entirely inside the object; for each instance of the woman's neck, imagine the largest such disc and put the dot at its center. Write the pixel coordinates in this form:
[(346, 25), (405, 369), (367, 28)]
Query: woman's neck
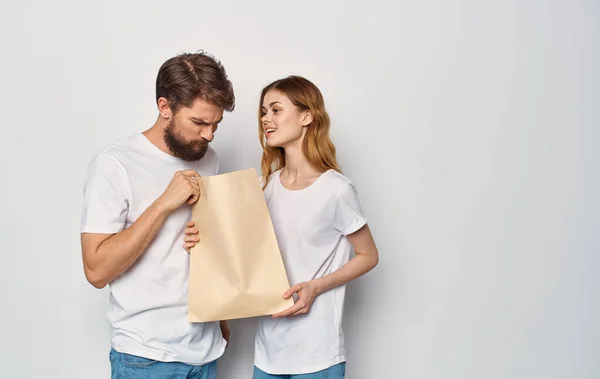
[(297, 173), (296, 163)]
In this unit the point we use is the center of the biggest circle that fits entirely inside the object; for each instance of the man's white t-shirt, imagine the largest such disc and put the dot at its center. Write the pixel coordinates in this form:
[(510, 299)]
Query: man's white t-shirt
[(311, 226), (148, 302)]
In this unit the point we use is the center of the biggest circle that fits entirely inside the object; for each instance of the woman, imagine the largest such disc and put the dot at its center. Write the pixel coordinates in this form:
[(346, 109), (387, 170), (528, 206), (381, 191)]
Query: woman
[(318, 221)]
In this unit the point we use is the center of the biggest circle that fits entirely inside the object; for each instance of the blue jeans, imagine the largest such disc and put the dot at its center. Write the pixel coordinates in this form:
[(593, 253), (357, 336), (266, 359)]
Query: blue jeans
[(126, 366), (334, 372)]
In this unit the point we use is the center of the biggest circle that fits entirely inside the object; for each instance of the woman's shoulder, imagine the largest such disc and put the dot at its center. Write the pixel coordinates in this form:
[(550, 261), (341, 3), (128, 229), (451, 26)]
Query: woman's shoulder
[(336, 180), (271, 177)]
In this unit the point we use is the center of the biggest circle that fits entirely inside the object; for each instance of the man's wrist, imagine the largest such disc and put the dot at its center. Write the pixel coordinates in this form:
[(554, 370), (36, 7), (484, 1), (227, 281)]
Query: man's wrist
[(160, 208)]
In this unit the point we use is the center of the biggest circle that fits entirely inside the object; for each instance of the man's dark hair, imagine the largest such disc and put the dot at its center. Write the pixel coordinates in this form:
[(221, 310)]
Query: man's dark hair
[(186, 77)]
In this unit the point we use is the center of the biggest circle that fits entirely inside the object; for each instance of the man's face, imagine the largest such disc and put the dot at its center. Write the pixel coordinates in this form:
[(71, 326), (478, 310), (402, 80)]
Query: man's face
[(191, 129)]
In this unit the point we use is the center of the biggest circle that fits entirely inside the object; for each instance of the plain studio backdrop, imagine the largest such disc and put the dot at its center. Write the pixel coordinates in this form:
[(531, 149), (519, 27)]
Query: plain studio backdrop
[(470, 129)]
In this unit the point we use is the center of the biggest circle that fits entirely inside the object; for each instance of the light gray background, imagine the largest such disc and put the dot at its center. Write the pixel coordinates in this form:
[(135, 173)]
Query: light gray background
[(469, 127)]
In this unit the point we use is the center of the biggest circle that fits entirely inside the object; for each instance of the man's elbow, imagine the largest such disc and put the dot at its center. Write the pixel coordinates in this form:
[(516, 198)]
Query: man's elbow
[(94, 278)]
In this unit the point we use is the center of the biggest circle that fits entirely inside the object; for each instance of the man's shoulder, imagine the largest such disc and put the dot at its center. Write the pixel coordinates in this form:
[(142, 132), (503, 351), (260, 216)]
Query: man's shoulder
[(113, 153), (118, 149), (122, 145)]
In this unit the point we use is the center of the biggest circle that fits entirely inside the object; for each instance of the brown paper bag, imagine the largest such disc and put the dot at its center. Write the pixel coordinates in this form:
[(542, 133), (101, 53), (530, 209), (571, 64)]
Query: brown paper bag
[(236, 268)]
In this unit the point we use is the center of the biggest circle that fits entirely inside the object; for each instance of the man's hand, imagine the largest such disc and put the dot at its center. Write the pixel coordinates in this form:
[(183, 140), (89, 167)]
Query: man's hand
[(307, 292), (184, 187)]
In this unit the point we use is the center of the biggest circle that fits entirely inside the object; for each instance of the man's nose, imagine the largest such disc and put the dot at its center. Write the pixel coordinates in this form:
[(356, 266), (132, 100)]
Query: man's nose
[(207, 133)]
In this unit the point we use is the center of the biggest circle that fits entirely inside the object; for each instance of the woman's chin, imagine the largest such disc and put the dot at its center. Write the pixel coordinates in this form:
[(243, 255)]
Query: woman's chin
[(272, 143), (284, 142)]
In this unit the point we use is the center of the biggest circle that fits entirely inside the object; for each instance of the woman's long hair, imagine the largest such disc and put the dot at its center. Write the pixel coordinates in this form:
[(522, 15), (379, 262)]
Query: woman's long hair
[(317, 145)]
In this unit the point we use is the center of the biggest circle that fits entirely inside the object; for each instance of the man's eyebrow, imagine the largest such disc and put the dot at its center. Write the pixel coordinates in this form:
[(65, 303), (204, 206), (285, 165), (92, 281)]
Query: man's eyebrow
[(204, 122)]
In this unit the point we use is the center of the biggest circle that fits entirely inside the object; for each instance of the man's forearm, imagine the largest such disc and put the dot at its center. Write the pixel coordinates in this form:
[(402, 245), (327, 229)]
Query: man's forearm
[(118, 252)]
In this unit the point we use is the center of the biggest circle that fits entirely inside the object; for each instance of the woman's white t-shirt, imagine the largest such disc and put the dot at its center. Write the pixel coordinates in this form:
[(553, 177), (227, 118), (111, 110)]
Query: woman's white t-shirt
[(311, 226)]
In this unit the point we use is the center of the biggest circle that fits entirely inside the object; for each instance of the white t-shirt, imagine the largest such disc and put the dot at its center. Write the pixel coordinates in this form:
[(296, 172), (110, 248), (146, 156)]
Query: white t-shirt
[(148, 302), (311, 226)]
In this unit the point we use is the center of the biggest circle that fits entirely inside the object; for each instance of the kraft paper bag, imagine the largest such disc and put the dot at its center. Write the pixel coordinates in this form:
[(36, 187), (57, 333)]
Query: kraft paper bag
[(236, 268)]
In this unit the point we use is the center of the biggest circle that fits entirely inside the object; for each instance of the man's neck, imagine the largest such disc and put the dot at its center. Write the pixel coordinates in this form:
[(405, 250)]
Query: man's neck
[(156, 135)]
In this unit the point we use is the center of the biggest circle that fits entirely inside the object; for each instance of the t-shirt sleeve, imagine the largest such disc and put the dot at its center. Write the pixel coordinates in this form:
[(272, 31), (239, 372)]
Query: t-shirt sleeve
[(106, 196), (348, 216)]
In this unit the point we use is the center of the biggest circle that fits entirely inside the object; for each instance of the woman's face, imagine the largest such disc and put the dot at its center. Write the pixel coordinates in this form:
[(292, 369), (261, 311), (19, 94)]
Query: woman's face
[(283, 123)]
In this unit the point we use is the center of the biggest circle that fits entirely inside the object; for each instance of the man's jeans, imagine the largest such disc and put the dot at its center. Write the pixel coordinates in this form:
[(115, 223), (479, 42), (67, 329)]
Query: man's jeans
[(126, 366)]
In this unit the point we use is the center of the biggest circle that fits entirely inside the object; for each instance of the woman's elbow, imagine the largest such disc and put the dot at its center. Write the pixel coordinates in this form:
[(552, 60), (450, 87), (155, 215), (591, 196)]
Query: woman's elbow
[(374, 260)]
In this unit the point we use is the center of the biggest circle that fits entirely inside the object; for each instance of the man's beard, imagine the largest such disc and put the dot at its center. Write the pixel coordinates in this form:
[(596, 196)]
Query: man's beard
[(190, 151)]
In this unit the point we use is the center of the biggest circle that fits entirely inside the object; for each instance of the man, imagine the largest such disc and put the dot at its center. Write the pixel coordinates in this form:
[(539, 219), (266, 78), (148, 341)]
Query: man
[(137, 201)]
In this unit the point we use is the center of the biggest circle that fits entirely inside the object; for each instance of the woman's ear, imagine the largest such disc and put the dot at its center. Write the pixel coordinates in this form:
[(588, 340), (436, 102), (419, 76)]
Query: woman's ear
[(307, 119)]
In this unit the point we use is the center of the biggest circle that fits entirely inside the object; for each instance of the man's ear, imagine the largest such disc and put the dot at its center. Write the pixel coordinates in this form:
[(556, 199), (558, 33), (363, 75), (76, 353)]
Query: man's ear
[(164, 108), (307, 119)]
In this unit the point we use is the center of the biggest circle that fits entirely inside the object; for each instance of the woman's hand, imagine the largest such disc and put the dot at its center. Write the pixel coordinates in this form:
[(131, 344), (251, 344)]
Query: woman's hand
[(307, 292), (191, 236)]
